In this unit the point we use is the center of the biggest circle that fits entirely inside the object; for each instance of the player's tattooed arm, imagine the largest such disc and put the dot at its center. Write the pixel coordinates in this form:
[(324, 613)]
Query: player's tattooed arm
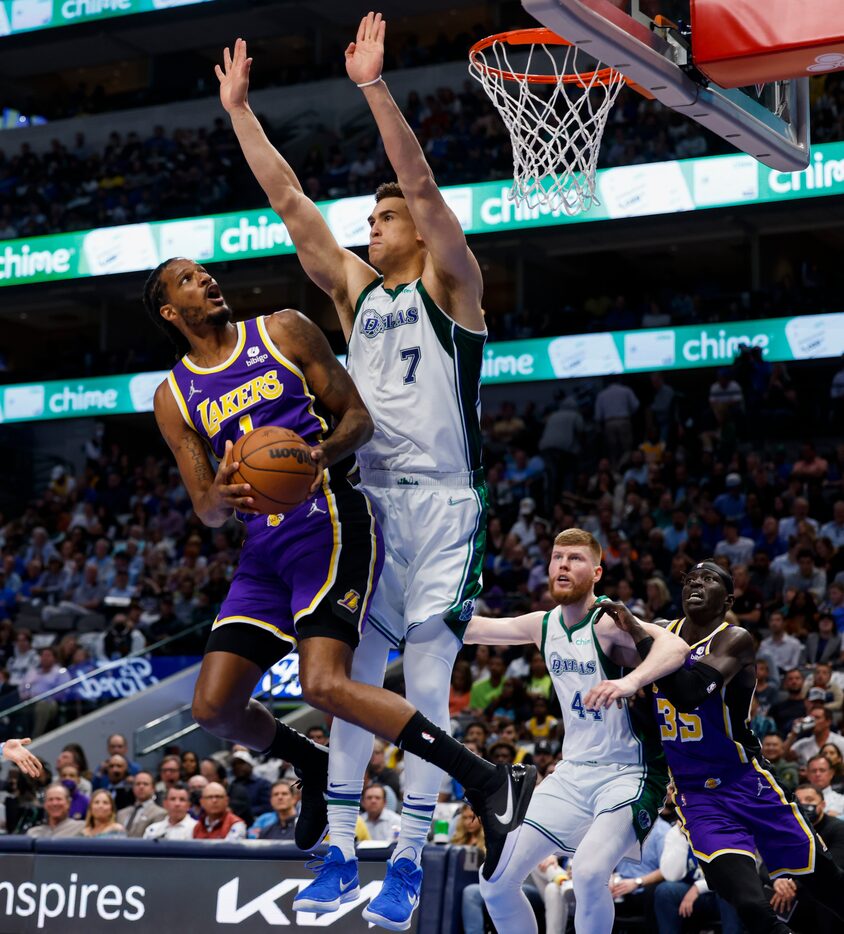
[(303, 342), (452, 274), (213, 496), (337, 271), (518, 630)]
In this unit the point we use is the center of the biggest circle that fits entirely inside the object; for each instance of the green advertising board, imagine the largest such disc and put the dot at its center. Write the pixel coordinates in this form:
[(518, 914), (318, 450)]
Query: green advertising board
[(569, 357), (484, 208), (30, 15)]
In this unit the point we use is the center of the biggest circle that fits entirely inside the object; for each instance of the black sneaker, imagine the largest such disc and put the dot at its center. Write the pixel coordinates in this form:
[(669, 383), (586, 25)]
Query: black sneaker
[(501, 813), (312, 823)]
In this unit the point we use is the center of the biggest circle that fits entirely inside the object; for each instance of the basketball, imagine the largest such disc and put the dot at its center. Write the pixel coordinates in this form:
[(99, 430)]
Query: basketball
[(277, 464)]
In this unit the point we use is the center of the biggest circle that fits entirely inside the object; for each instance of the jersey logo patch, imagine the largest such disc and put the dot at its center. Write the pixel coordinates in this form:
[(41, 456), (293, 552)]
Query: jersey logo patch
[(351, 601), (274, 521), (644, 820), (557, 665), (315, 508), (467, 611), (712, 783), (372, 323), (193, 391)]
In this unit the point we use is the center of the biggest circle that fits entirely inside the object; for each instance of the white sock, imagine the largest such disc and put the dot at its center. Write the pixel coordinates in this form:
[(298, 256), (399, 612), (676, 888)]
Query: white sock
[(343, 800), (416, 814)]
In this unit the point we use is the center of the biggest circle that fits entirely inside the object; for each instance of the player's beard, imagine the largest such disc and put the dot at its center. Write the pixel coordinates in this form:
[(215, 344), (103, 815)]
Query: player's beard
[(571, 595)]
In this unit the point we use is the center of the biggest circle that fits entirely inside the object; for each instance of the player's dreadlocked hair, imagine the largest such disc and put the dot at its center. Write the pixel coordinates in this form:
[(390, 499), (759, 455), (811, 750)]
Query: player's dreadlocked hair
[(154, 298), (388, 190)]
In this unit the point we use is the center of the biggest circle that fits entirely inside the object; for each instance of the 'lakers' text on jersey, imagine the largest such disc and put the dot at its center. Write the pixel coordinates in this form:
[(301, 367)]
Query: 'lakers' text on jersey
[(716, 736), (419, 375)]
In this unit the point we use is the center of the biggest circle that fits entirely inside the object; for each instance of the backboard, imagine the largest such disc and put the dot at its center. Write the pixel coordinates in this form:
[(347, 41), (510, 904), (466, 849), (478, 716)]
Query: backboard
[(649, 42)]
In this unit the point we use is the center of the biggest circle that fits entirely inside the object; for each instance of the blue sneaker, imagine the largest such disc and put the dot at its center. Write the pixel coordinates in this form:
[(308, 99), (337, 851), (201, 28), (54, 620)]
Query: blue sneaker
[(393, 906), (336, 882)]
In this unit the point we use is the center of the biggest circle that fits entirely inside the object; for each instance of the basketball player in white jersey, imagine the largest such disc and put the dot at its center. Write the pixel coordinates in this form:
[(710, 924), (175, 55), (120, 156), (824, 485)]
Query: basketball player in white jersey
[(604, 796), (416, 333)]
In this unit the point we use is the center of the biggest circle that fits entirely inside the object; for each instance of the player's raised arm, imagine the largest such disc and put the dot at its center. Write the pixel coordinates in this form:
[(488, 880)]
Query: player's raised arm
[(214, 498), (337, 271), (301, 339), (517, 630), (649, 650), (455, 271)]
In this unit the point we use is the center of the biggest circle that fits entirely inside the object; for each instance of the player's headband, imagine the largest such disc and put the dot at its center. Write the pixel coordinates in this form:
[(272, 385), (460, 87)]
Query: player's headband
[(726, 579)]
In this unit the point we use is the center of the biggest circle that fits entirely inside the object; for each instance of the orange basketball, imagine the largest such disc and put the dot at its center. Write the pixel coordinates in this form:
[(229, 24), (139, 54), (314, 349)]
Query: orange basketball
[(277, 464)]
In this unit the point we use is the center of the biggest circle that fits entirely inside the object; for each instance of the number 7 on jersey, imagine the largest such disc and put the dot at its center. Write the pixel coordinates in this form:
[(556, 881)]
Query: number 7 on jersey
[(412, 355)]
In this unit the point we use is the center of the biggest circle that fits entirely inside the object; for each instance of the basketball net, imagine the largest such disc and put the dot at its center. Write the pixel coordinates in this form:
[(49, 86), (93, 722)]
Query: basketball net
[(555, 119)]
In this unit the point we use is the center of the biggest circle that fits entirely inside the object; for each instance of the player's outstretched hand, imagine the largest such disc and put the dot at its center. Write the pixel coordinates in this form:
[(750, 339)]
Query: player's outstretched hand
[(226, 495), (365, 56), (234, 77), (608, 692), (320, 463), (620, 615), (15, 751)]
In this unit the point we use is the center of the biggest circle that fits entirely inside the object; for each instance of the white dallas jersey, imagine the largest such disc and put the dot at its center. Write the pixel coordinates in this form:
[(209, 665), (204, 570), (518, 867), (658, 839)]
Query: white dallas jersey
[(419, 374), (576, 664)]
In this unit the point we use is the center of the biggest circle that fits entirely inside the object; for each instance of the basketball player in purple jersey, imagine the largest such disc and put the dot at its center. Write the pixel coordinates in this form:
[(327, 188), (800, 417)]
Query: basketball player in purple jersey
[(306, 577), (729, 804)]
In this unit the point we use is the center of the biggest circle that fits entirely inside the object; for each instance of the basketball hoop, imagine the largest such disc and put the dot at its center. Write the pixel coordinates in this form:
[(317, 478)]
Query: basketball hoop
[(555, 119)]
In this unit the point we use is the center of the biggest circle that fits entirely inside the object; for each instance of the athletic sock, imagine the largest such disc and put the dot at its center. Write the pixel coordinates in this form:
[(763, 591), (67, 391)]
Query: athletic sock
[(416, 813), (429, 742), (343, 800), (294, 747)]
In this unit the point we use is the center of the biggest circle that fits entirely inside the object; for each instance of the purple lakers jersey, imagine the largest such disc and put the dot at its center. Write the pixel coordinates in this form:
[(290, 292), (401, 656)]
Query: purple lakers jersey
[(256, 386), (716, 737)]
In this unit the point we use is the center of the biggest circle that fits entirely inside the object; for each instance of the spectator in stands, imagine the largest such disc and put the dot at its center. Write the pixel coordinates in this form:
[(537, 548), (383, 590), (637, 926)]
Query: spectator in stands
[(47, 676), (69, 776), (770, 542), (24, 658), (766, 693), (381, 822), (836, 760), (634, 883), (144, 811), (196, 785), (819, 774), (615, 406), (190, 765), (732, 503), (89, 595), (218, 821), (488, 689), (802, 747), (121, 638), (761, 724), (319, 734), (461, 687), (786, 773), (116, 745), (738, 549), (59, 822), (170, 771), (543, 758), (378, 773), (821, 687), (834, 529), (279, 823), (118, 782), (790, 527), (101, 819), (178, 825), (725, 394), (784, 649), (791, 704), (807, 576), (257, 789)]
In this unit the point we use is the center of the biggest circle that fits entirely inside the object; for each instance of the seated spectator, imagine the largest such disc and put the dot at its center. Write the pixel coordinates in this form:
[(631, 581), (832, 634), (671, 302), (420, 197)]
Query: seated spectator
[(318, 734), (790, 526), (59, 822), (541, 725), (23, 658), (378, 772), (488, 689), (766, 693), (634, 883), (806, 577), (280, 822), (118, 782), (834, 529), (802, 747), (786, 773), (170, 774), (381, 823), (69, 776), (823, 646), (190, 765), (738, 549), (257, 789), (101, 819), (820, 687), (836, 760), (47, 676), (196, 785), (144, 811), (819, 774), (761, 724), (658, 603), (121, 638), (791, 705), (116, 745), (178, 825), (539, 683), (218, 821), (731, 504), (784, 649), (461, 687), (543, 758), (747, 600)]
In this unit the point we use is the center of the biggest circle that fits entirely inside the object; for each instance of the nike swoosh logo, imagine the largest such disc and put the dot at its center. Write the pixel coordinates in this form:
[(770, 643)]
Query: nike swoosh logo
[(507, 816), (344, 887), (453, 502)]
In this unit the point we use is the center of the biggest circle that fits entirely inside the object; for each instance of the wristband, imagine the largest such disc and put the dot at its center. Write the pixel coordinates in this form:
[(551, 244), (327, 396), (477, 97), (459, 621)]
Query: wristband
[(367, 84), (643, 646)]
